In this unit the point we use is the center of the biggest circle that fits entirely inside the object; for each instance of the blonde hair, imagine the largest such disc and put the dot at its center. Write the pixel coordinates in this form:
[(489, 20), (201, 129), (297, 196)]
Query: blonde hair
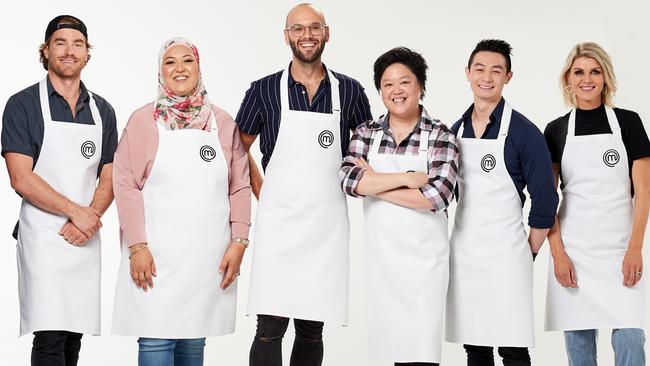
[(594, 51)]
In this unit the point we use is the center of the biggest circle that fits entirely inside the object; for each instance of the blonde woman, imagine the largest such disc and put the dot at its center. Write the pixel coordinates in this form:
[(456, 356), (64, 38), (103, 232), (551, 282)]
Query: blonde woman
[(601, 156)]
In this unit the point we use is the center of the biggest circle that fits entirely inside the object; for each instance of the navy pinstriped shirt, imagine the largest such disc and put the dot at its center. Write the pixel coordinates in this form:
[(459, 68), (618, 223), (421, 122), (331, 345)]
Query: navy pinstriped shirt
[(259, 113)]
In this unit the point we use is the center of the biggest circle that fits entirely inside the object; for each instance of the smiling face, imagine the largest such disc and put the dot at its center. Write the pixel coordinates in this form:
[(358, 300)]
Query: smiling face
[(66, 53), (487, 75), (307, 47), (400, 92), (586, 81), (180, 70)]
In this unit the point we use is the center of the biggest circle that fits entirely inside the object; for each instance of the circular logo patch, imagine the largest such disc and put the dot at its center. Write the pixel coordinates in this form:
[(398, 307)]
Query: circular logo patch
[(611, 157), (88, 149), (207, 153), (326, 139), (488, 163)]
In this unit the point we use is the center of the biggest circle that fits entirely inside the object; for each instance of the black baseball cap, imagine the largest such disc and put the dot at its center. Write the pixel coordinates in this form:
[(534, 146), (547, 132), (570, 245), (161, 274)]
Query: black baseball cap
[(54, 25)]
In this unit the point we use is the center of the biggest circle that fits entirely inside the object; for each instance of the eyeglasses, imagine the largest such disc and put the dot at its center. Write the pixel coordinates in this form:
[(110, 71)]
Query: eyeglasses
[(297, 30)]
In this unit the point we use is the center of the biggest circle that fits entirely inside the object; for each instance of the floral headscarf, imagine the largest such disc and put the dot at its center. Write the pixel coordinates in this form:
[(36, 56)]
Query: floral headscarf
[(176, 112)]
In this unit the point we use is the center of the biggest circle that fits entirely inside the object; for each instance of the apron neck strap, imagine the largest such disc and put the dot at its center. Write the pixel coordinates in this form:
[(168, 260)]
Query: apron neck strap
[(213, 121), (284, 90), (97, 118), (334, 89), (611, 120), (376, 140), (571, 127), (45, 100), (424, 141), (45, 104), (379, 135), (506, 116), (504, 126)]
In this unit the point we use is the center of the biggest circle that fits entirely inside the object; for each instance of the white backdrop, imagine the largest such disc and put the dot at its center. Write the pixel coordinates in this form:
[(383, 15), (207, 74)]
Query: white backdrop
[(242, 41)]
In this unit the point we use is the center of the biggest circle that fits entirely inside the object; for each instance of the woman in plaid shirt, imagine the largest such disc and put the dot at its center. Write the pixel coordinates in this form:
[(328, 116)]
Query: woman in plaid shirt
[(404, 165)]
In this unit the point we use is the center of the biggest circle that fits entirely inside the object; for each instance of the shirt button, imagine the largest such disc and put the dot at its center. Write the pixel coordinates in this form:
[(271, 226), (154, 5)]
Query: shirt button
[(303, 92)]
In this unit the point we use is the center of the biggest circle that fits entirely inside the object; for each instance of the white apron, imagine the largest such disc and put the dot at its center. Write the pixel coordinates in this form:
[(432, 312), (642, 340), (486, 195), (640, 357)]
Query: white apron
[(407, 268), (300, 258), (59, 283), (490, 297), (596, 224), (187, 221)]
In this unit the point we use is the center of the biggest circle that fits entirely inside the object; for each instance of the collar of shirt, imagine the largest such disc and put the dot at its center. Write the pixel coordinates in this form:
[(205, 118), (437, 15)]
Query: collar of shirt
[(591, 116), (426, 122), (293, 82), (495, 118), (83, 92)]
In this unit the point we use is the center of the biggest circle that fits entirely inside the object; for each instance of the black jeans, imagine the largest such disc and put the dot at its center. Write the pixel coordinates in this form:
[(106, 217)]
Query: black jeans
[(56, 348), (416, 364), (267, 345), (483, 356)]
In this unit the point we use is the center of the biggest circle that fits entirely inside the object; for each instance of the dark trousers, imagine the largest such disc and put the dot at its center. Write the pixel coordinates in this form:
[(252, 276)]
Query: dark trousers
[(267, 345), (483, 356), (416, 364), (56, 348)]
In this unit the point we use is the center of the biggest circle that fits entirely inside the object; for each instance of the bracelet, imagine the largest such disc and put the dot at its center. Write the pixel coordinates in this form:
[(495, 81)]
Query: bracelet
[(137, 250), (243, 241)]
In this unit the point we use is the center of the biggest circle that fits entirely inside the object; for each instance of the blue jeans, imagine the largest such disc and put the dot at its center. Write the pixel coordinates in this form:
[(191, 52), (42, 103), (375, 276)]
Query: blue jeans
[(627, 343), (170, 352)]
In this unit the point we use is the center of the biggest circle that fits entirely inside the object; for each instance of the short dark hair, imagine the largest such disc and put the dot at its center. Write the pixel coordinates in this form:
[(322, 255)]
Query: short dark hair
[(61, 20), (493, 45), (409, 58)]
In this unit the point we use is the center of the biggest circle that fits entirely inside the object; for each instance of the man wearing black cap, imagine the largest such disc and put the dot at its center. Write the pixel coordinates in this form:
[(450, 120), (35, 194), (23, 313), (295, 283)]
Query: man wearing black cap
[(58, 138)]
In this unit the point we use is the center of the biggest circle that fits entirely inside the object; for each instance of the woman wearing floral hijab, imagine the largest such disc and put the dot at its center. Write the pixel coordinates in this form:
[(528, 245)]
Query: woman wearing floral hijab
[(183, 199)]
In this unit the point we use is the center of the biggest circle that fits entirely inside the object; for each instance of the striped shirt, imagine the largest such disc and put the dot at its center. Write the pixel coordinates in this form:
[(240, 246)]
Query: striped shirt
[(442, 156), (259, 113)]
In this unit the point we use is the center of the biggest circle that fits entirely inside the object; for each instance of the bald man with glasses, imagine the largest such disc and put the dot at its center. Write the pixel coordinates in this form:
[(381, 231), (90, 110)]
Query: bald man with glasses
[(304, 115)]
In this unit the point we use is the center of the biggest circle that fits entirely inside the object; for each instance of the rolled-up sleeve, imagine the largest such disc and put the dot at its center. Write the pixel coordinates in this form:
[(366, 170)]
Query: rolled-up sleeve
[(443, 169), (349, 173)]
